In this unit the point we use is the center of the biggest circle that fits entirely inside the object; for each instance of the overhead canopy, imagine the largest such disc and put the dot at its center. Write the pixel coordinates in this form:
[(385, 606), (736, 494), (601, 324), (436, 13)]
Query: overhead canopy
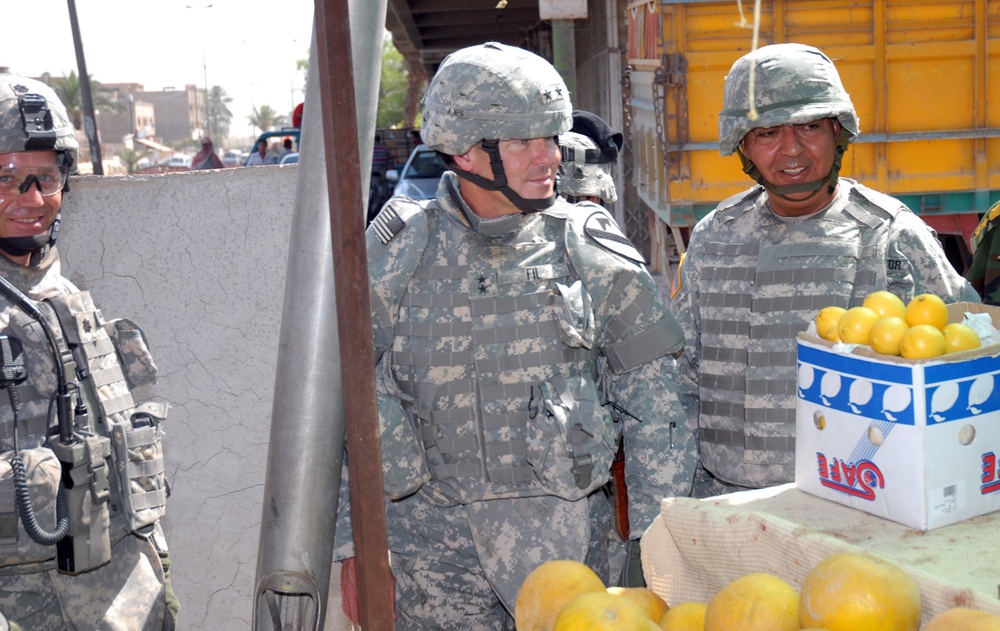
[(152, 144)]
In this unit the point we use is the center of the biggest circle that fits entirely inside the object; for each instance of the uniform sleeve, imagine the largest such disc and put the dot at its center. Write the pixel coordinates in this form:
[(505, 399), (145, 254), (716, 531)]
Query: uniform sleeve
[(683, 304), (659, 444), (916, 263)]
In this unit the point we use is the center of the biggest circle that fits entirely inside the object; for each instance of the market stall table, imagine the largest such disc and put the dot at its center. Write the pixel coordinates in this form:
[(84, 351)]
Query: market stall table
[(696, 547)]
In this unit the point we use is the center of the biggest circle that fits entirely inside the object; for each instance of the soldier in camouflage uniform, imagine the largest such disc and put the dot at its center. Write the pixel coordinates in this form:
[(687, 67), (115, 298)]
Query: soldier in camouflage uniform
[(81, 474), (762, 264), (518, 336), (588, 150), (984, 271)]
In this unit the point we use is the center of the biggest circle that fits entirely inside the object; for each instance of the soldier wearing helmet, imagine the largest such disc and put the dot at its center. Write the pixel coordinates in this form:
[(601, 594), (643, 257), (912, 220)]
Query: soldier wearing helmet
[(84, 549), (762, 264), (517, 338), (588, 150)]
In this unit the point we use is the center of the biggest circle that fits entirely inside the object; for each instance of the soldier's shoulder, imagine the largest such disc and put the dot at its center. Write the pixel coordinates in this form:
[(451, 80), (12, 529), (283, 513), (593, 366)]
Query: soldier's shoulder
[(735, 205), (874, 200), (400, 219), (597, 231)]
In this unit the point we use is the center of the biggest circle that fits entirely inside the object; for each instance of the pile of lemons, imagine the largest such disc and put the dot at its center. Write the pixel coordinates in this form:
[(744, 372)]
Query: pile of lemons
[(918, 330), (847, 591)]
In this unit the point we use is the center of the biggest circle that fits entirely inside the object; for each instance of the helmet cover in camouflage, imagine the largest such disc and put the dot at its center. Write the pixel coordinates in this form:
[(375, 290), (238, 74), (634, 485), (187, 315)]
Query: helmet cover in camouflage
[(793, 84), (493, 91), (579, 177), (32, 118)]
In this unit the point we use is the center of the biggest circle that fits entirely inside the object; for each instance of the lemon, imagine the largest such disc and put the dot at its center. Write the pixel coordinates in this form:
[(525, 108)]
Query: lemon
[(922, 341), (754, 602), (548, 588), (855, 325), (652, 606), (826, 323), (963, 619), (885, 303), (849, 591), (886, 334), (927, 309), (959, 337), (689, 616), (602, 611)]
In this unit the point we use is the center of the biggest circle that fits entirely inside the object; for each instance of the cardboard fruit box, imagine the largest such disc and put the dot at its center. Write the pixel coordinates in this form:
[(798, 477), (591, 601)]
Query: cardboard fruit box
[(914, 441)]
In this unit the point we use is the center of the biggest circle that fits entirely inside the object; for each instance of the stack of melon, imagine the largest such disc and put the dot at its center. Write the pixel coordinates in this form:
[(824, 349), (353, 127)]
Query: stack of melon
[(847, 591), (918, 330)]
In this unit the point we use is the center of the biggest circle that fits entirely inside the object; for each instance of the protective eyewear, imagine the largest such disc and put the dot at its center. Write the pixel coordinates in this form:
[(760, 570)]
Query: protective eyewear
[(18, 179)]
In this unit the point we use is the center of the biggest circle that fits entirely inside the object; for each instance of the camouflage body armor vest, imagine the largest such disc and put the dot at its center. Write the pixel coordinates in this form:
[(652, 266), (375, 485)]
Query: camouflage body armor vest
[(759, 289), (103, 361), (494, 356)]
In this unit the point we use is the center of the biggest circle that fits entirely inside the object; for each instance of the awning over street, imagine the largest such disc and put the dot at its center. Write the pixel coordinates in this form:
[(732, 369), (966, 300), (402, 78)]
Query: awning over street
[(152, 144)]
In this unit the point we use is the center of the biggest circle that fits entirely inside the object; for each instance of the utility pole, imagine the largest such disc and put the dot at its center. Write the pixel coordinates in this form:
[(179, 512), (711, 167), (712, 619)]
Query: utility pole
[(89, 122)]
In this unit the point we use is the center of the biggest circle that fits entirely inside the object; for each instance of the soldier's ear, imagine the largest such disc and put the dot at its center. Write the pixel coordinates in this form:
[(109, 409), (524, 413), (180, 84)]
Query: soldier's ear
[(467, 160)]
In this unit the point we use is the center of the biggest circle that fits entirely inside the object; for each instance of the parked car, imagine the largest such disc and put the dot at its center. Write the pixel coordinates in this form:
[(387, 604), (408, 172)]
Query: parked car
[(233, 158), (290, 158), (419, 176)]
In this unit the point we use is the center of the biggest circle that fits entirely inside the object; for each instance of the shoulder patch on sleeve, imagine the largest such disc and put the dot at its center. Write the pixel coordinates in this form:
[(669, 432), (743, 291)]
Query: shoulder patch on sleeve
[(602, 228), (676, 286), (387, 224)]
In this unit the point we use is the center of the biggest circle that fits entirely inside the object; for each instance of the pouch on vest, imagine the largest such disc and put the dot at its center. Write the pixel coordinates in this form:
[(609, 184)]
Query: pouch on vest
[(404, 468), (43, 473), (133, 353), (576, 315), (138, 449), (570, 439)]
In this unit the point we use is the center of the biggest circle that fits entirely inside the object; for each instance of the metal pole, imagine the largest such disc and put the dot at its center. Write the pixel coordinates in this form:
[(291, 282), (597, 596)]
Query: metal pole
[(564, 52), (326, 321), (89, 122), (349, 119)]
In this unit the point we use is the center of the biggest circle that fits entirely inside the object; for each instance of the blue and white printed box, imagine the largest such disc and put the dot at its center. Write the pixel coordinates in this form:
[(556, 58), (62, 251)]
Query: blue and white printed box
[(916, 442)]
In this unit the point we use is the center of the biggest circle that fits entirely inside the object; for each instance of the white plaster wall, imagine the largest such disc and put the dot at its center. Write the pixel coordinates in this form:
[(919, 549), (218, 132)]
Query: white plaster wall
[(198, 261)]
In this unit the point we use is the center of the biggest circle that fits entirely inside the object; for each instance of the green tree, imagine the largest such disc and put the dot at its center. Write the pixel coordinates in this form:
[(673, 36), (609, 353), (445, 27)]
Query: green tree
[(392, 86), (131, 159), (68, 89), (219, 116), (266, 118)]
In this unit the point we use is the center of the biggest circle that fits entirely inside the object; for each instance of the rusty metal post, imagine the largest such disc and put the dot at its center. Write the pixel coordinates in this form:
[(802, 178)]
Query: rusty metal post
[(347, 223)]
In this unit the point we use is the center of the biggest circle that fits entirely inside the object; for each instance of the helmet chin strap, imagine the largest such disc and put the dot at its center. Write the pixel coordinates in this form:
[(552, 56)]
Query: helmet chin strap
[(20, 246), (830, 181), (499, 181)]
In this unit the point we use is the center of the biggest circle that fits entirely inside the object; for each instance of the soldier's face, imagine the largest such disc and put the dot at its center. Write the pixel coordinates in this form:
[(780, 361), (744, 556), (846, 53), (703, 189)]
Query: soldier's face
[(794, 154), (29, 213), (531, 166)]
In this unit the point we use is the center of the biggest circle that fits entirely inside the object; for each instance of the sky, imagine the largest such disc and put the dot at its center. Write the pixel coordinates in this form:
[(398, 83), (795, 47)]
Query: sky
[(248, 47)]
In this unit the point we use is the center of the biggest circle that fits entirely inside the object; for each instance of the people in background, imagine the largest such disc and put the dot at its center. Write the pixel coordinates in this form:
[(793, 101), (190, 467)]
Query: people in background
[(206, 158), (259, 156)]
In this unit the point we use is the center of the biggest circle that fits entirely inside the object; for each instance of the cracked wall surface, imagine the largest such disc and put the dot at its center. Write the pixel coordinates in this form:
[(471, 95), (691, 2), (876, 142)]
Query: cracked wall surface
[(198, 261)]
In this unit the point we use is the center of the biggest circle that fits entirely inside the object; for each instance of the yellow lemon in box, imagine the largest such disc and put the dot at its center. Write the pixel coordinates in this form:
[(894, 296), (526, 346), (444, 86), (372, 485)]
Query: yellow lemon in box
[(922, 341), (856, 324), (960, 337), (927, 309), (885, 303), (826, 323), (886, 334)]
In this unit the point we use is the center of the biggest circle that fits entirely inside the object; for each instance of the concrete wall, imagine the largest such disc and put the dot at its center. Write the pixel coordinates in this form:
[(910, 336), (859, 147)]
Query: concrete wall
[(198, 261)]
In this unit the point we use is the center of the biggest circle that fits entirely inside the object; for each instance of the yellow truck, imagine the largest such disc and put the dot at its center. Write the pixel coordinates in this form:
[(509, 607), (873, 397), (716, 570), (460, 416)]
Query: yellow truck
[(924, 77)]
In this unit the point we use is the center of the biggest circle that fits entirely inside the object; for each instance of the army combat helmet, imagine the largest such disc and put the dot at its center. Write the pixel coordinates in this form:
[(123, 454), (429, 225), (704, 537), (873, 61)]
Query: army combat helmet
[(792, 84), (493, 92), (588, 150), (32, 118)]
